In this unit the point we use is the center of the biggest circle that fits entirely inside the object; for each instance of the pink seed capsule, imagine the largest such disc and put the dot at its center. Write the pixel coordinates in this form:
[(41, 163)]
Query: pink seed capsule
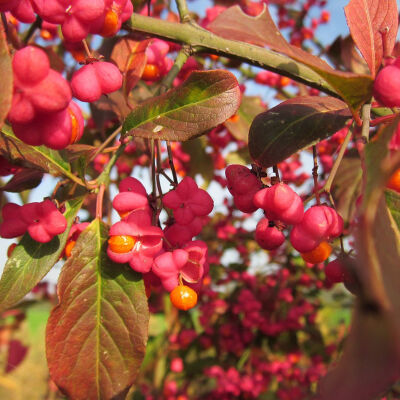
[(267, 236)]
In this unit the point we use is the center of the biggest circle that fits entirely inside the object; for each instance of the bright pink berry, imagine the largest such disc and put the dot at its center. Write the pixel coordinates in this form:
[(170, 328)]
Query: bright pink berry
[(147, 241), (75, 16), (93, 80), (55, 130), (302, 241), (387, 85), (188, 201), (319, 223), (268, 237), (188, 262), (280, 203), (21, 9), (38, 89), (44, 220)]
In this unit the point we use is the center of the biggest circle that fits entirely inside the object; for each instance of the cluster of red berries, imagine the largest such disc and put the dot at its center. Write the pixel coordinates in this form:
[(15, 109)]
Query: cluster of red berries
[(282, 207), (169, 256), (42, 220), (42, 111)]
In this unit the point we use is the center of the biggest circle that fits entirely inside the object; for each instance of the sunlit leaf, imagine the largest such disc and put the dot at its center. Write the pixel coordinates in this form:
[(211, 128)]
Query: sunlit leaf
[(204, 100), (293, 125), (37, 157), (130, 57), (96, 336), (31, 261), (373, 24)]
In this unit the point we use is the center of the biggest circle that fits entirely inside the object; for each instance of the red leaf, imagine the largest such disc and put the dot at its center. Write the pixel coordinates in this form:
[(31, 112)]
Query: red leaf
[(261, 30), (130, 56), (368, 20)]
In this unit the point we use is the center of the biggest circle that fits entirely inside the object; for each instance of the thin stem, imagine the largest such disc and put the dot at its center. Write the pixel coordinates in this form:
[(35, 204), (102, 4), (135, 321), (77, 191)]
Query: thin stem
[(171, 163), (202, 40), (104, 177), (37, 24), (366, 118), (180, 60), (315, 174), (159, 168), (276, 172), (104, 144), (87, 50), (328, 184), (384, 119), (162, 172), (99, 201)]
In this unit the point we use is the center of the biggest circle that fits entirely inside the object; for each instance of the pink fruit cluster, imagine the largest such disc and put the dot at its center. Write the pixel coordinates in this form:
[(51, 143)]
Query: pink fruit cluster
[(95, 79), (178, 257), (319, 223), (42, 111), (78, 18), (42, 220), (282, 207)]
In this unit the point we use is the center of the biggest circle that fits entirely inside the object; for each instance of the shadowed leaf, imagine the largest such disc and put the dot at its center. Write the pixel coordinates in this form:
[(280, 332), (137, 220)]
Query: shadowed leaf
[(239, 124), (261, 30), (31, 261), (368, 21), (346, 187), (96, 336), (293, 125), (204, 100), (23, 180), (374, 337), (6, 81)]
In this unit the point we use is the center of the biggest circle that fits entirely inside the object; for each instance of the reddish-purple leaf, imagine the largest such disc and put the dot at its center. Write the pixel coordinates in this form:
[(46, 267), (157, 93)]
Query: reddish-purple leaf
[(16, 354), (235, 24), (96, 336), (373, 25), (6, 81), (23, 180), (293, 125), (204, 100), (130, 57)]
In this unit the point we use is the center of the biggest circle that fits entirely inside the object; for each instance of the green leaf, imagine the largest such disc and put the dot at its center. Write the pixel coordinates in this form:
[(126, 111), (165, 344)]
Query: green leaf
[(346, 187), (293, 125), (31, 261), (6, 82), (393, 203), (37, 157), (250, 107), (96, 337), (204, 100)]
